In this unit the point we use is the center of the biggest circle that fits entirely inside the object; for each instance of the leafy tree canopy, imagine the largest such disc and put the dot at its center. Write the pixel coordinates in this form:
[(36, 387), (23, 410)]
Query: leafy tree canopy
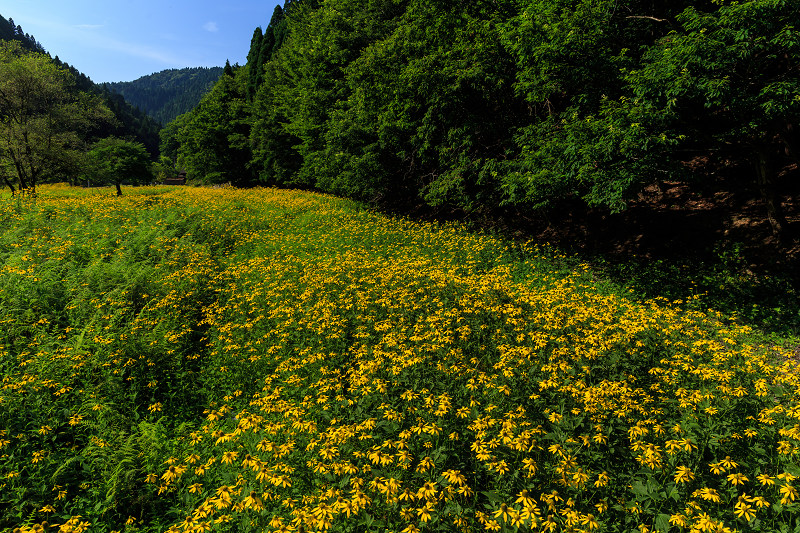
[(43, 121), (113, 160), (519, 104), (165, 95)]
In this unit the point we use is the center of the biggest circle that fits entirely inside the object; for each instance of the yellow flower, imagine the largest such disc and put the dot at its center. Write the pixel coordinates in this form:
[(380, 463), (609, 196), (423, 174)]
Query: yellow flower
[(759, 501), (765, 479), (708, 494), (253, 501), (683, 474), (425, 512), (173, 472), (590, 522), (427, 491), (744, 511), (229, 457), (502, 512), (737, 479), (425, 464), (492, 525), (525, 499), (678, 520), (789, 494)]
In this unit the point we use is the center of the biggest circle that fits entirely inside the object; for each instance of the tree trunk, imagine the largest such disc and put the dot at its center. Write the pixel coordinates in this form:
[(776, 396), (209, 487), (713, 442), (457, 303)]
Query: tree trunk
[(791, 141), (10, 185), (20, 175), (119, 189), (765, 174)]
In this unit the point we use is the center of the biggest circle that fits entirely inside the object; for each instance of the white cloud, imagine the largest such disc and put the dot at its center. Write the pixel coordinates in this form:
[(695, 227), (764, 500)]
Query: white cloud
[(99, 40), (211, 26)]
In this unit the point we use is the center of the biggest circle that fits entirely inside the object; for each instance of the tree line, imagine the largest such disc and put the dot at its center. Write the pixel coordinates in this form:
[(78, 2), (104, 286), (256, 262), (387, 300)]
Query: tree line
[(503, 104), (58, 125)]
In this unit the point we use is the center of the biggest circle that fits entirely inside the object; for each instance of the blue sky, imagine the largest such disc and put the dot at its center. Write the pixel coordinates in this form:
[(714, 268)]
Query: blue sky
[(116, 40)]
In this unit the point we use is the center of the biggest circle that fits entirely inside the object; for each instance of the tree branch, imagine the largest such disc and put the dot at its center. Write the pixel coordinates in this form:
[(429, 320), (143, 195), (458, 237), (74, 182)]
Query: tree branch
[(646, 17)]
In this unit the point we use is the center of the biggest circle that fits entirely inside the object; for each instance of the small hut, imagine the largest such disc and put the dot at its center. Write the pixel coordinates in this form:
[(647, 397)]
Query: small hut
[(180, 179)]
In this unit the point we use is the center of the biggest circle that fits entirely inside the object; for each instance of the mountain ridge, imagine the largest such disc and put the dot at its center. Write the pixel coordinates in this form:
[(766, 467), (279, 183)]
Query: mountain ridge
[(168, 93)]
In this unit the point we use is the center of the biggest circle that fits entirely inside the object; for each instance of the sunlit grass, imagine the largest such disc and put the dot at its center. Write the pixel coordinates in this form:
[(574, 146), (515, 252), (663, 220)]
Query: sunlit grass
[(215, 359)]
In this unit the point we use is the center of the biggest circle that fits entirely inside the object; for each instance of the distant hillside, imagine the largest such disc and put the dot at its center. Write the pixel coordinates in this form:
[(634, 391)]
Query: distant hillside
[(169, 93), (133, 123)]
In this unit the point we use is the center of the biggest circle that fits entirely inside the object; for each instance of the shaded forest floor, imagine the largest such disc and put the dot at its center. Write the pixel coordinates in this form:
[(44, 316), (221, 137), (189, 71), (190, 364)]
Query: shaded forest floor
[(683, 240), (681, 222), (708, 244)]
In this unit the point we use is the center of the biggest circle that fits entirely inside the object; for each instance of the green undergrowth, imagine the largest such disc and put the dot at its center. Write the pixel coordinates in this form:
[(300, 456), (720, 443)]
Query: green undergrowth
[(263, 360)]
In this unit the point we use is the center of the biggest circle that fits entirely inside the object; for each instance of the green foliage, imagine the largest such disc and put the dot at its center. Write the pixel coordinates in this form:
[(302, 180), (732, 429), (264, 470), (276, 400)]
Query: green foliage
[(510, 105), (726, 80), (11, 32), (430, 108), (114, 160), (262, 47), (204, 357), (211, 142), (169, 93), (604, 158), (768, 303), (131, 122), (44, 123), (127, 121)]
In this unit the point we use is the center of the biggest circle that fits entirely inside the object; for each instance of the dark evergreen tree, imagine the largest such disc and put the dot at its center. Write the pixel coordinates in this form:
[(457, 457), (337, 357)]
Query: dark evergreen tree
[(263, 46), (254, 63), (11, 32), (521, 104), (211, 142)]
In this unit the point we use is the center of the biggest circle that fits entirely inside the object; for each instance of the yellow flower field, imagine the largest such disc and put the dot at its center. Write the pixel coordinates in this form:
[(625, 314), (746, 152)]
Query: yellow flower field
[(265, 360)]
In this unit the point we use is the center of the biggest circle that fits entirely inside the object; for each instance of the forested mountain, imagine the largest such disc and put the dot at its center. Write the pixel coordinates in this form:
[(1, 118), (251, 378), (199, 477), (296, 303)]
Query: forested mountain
[(130, 122), (13, 32), (169, 93), (512, 104)]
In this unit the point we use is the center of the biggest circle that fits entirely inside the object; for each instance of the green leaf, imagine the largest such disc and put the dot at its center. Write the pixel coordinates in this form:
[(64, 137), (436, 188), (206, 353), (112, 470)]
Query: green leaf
[(662, 522)]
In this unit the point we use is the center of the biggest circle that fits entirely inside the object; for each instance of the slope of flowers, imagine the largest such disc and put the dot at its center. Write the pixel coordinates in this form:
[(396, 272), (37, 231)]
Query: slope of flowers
[(222, 360)]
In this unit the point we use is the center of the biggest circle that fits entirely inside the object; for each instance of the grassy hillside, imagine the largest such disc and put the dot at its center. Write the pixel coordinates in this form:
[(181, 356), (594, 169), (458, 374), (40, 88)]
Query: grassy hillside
[(271, 360)]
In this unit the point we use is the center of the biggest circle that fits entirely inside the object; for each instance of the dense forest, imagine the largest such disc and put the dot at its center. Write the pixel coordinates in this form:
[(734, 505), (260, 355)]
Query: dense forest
[(415, 350), (508, 105), (169, 93)]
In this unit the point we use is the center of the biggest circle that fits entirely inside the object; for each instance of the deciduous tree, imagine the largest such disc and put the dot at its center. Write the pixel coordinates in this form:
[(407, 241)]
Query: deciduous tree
[(113, 160), (41, 118), (730, 80)]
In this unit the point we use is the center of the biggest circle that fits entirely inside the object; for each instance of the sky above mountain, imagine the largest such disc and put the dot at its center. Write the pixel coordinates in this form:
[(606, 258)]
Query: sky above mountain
[(124, 40)]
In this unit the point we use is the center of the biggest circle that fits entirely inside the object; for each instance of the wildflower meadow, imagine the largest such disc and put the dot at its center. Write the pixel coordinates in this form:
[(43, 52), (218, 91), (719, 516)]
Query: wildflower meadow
[(192, 359)]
